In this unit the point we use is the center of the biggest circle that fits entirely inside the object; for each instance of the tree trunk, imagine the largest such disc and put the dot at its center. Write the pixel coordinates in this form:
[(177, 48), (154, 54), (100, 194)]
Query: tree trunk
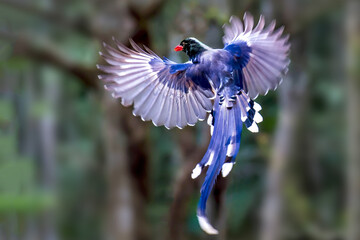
[(47, 143), (126, 171), (353, 114), (120, 215), (185, 186), (292, 101)]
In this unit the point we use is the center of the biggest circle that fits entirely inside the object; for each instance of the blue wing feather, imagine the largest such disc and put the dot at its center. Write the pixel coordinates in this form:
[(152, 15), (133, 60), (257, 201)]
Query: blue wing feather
[(261, 54), (138, 76), (241, 51), (174, 68)]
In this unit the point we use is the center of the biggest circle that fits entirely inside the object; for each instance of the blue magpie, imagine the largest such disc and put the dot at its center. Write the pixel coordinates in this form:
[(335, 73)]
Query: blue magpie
[(222, 82)]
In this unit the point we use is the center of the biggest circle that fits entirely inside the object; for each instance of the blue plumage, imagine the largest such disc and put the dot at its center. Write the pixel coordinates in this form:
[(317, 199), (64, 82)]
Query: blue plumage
[(252, 62)]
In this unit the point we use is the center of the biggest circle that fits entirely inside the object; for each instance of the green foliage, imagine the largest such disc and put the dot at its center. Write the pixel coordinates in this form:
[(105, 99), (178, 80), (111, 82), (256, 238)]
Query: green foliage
[(162, 162), (240, 202), (7, 150), (6, 112), (18, 185), (26, 203), (214, 13), (16, 176), (78, 49)]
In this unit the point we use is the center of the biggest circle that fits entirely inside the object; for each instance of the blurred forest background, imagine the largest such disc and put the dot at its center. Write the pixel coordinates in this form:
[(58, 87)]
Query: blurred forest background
[(75, 164)]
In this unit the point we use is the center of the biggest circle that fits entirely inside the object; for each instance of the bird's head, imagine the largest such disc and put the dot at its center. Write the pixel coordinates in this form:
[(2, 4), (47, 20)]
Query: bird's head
[(191, 46)]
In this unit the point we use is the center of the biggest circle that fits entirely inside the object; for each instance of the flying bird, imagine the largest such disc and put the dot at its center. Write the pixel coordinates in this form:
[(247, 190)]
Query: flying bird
[(222, 82)]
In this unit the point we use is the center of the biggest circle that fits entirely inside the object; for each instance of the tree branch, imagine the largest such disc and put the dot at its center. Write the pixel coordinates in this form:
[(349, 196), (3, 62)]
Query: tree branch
[(78, 24), (25, 47)]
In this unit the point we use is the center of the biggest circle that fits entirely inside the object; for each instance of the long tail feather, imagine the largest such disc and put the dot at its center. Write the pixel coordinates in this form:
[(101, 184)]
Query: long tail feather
[(224, 145), (217, 156)]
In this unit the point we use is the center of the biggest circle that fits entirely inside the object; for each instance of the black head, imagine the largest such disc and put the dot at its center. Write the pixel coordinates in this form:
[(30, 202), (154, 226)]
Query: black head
[(191, 46)]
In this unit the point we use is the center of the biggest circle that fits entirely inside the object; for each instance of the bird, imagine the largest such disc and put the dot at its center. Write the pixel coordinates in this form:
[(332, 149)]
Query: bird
[(222, 83)]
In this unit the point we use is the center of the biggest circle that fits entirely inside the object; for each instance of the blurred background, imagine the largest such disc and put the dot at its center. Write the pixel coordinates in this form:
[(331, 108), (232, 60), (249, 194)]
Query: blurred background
[(75, 164)]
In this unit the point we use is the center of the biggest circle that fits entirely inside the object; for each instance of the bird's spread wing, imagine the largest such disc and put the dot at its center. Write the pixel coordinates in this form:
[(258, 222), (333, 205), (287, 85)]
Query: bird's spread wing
[(163, 91), (261, 53)]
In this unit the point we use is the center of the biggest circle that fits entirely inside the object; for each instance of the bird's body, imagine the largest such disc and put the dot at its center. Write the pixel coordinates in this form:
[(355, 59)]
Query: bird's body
[(223, 82)]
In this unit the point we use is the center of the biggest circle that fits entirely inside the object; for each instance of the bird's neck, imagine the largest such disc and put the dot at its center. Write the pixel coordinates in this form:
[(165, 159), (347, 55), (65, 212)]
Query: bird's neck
[(194, 52)]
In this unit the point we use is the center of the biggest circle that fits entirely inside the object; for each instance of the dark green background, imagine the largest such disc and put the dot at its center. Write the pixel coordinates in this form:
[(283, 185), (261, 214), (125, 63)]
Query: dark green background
[(76, 165)]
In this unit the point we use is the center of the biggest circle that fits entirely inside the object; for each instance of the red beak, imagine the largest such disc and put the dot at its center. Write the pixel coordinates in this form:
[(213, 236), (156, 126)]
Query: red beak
[(178, 48)]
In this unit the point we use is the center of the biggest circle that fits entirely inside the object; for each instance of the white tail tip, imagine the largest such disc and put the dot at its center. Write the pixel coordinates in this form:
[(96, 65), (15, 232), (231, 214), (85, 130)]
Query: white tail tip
[(258, 118), (254, 127), (226, 168), (211, 158), (230, 150), (206, 226), (196, 172), (257, 106)]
